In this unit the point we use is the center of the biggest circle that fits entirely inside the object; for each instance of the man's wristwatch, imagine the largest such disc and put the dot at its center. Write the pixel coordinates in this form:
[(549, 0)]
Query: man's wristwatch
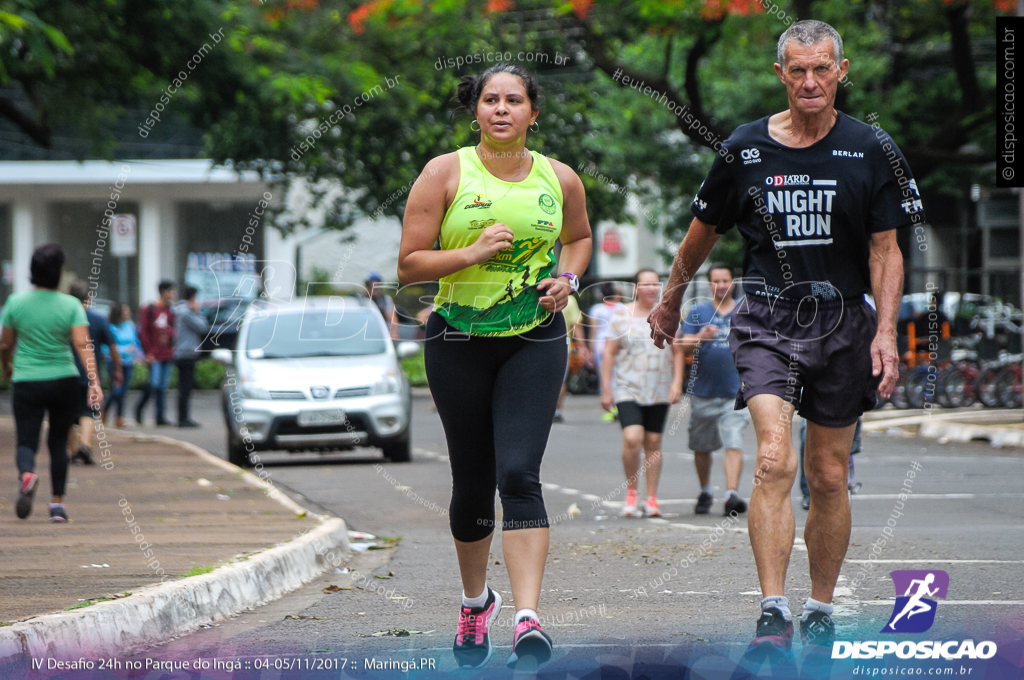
[(574, 281)]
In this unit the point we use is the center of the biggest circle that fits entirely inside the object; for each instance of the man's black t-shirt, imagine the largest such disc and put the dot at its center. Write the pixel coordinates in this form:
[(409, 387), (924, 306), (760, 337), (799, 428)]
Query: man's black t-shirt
[(807, 214)]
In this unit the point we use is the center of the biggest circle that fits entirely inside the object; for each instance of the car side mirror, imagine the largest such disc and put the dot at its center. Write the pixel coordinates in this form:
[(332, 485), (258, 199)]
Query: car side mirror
[(407, 349), (224, 357)]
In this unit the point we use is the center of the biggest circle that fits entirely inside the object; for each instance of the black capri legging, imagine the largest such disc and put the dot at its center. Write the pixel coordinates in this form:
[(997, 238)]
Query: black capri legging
[(496, 398), (30, 401)]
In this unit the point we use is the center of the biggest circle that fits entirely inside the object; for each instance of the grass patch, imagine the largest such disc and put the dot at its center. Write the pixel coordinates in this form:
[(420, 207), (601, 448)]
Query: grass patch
[(88, 603), (200, 570)]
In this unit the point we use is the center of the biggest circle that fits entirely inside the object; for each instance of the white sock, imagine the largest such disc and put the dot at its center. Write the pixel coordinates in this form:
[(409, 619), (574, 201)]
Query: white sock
[(732, 492), (478, 601), (523, 613), (780, 602), (707, 489), (812, 605)]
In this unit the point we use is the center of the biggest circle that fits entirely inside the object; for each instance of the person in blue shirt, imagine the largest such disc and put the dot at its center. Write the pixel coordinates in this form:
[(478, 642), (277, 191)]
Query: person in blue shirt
[(99, 335), (712, 388), (130, 350)]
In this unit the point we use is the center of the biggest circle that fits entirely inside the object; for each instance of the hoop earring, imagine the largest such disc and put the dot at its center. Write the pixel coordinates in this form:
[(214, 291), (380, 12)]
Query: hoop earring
[(535, 129), (477, 129)]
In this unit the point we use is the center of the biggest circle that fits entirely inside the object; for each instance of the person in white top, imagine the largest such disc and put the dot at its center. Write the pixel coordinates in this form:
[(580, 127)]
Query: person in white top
[(647, 381)]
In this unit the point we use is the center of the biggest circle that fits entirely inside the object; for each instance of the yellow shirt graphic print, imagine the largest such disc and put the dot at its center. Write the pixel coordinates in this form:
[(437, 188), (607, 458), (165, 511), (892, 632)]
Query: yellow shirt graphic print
[(499, 296)]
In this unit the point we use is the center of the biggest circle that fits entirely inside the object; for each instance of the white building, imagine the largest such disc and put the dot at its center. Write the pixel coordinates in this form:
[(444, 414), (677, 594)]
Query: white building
[(180, 208)]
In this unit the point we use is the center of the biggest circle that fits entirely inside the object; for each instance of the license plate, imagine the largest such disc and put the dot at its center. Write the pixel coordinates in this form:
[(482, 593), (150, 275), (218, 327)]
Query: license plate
[(315, 418)]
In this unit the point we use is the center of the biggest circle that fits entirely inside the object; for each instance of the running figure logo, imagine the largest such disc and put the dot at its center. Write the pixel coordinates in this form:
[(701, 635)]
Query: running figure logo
[(914, 611)]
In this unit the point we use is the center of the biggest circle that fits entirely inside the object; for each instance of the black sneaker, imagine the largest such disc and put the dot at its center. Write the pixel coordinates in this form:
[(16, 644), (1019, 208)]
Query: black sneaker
[(735, 504), (164, 423), (774, 634), (472, 646), (818, 634), (28, 490), (58, 513), (189, 423), (83, 456), (704, 502), (529, 641), (818, 629)]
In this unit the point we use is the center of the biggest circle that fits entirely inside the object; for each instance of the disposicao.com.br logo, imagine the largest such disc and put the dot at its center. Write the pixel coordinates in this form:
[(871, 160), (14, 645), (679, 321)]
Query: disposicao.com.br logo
[(914, 612)]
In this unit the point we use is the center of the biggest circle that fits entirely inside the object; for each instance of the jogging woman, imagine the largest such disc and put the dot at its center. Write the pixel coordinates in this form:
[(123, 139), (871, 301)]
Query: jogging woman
[(496, 341), (39, 328), (646, 382)]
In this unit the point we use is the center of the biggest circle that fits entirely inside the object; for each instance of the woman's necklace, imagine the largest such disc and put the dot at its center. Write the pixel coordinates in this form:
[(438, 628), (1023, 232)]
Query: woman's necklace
[(487, 171)]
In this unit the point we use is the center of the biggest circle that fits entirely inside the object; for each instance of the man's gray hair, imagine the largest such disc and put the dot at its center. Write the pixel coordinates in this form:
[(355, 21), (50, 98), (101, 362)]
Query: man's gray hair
[(811, 32)]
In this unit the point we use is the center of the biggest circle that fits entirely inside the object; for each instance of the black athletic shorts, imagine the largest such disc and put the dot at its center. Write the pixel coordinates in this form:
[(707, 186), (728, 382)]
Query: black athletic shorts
[(816, 355), (651, 416)]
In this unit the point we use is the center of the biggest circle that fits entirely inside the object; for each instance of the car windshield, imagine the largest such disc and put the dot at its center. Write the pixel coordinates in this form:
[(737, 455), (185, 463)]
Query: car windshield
[(313, 333)]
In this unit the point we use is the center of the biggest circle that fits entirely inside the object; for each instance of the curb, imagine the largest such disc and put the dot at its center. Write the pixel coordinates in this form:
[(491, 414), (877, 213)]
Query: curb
[(117, 627), (943, 426)]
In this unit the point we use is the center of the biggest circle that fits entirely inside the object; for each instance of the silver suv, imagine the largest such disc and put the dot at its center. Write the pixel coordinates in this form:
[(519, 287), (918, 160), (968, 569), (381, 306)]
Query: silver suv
[(314, 375)]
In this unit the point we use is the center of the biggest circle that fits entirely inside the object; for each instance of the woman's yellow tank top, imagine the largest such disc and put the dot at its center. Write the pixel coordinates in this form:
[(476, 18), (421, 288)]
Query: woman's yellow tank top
[(499, 297)]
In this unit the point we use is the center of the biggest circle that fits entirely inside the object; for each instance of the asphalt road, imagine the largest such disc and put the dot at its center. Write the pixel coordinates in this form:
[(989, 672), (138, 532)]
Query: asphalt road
[(610, 595)]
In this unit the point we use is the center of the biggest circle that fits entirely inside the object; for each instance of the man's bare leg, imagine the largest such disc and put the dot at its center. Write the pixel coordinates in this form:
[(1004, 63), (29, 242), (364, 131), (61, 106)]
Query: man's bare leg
[(827, 531), (771, 523)]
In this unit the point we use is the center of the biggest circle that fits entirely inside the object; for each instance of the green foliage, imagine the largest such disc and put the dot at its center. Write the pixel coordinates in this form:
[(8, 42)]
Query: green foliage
[(209, 375), (357, 83), (415, 371)]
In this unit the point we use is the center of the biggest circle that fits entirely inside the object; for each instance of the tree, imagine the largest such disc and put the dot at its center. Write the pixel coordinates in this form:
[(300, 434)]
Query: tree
[(354, 92)]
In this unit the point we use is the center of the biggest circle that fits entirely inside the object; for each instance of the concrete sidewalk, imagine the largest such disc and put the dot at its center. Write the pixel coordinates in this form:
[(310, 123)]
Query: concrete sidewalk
[(193, 513), (1000, 427)]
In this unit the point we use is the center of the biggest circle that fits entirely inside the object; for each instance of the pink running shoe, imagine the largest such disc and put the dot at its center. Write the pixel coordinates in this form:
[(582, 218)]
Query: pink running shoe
[(630, 509), (23, 507), (472, 646), (529, 640)]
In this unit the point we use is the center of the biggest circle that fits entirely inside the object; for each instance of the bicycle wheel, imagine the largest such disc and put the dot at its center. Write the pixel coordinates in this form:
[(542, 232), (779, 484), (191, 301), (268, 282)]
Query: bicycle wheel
[(1007, 388), (952, 390), (899, 393), (917, 390), (984, 388)]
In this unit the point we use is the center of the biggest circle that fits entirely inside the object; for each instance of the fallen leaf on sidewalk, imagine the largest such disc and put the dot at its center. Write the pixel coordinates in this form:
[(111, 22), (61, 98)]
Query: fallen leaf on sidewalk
[(396, 632), (331, 589), (302, 617), (381, 576)]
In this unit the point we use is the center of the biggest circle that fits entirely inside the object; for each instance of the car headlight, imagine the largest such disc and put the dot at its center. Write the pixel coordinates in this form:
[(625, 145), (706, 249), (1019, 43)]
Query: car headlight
[(248, 388), (250, 391), (389, 384)]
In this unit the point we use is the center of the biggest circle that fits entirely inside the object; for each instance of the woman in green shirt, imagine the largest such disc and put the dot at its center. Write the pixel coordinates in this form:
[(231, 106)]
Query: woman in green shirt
[(38, 328), (495, 350)]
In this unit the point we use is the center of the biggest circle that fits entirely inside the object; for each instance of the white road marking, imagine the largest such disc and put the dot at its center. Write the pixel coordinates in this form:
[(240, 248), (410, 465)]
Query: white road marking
[(945, 603), (707, 529), (934, 496), (937, 561)]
